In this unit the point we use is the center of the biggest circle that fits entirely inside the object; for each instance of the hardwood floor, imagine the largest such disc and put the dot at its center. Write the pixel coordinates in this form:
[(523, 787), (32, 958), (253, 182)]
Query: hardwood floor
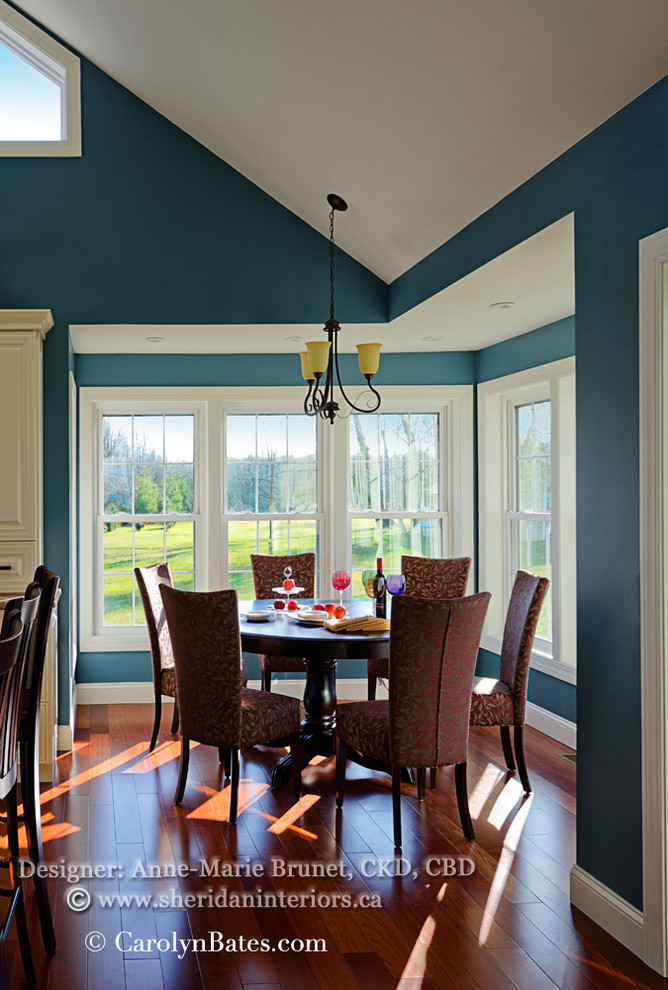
[(506, 924)]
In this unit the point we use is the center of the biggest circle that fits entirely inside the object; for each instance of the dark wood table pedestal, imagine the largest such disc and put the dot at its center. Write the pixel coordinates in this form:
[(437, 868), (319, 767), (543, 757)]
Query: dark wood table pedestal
[(321, 649)]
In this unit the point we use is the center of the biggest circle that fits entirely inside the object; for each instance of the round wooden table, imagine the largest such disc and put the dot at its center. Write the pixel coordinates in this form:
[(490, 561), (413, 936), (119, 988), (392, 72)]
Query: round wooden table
[(321, 649)]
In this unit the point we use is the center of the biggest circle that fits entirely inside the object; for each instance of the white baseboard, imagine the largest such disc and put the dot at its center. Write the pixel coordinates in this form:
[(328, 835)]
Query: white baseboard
[(141, 692), (623, 921), (552, 725)]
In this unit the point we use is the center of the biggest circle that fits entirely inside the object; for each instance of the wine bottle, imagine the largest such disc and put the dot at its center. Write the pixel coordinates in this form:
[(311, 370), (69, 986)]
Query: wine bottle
[(379, 582)]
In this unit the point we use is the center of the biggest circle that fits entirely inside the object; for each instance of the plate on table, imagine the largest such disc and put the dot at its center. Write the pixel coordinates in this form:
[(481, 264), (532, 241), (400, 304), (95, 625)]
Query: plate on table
[(257, 616), (307, 617), (293, 591)]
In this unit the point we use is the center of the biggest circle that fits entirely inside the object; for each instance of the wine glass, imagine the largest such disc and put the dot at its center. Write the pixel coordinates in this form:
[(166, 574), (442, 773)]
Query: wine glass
[(373, 585), (395, 584), (341, 582)]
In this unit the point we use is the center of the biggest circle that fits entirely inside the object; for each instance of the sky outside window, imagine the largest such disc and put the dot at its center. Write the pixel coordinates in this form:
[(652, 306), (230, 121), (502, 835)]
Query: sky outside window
[(30, 104)]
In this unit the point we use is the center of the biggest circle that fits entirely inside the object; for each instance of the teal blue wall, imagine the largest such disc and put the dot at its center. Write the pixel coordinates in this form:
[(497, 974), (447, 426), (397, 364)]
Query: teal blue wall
[(149, 227), (615, 183), (549, 343)]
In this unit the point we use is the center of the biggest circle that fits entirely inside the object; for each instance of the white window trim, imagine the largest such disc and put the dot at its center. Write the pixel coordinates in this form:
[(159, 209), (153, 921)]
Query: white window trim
[(495, 397), (55, 62), (454, 403)]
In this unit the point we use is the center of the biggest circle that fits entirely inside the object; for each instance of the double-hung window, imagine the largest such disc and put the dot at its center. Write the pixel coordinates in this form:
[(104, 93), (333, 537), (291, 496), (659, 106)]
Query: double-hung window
[(272, 490), (526, 476), (140, 504)]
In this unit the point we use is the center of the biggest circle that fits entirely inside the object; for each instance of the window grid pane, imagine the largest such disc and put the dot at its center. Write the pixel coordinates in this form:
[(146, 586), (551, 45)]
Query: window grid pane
[(137, 482), (272, 468)]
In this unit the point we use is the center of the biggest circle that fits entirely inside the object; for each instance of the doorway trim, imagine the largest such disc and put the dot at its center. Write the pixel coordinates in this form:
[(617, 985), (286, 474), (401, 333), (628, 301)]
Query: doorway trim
[(653, 588)]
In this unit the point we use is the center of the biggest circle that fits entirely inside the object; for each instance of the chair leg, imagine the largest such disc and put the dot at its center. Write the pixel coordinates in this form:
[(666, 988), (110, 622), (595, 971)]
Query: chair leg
[(421, 782), (32, 814), (175, 718), (463, 801), (183, 770), (19, 911), (341, 757), (371, 681), (519, 756), (507, 748), (396, 805), (432, 778), (156, 721), (265, 680), (224, 757), (296, 762), (234, 787)]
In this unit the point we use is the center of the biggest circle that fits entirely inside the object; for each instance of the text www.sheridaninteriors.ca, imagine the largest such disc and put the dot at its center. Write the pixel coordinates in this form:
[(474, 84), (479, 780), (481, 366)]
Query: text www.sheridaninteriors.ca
[(80, 899)]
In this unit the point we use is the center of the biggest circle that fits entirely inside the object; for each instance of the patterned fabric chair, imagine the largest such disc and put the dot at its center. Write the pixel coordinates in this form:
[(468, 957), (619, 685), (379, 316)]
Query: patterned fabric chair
[(502, 702), (425, 578), (214, 708), (149, 580), (425, 721), (267, 574)]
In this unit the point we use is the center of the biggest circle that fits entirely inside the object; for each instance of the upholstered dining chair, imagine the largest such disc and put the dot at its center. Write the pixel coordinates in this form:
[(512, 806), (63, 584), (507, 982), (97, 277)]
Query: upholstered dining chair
[(149, 580), (268, 574), (426, 577), (425, 721), (214, 708), (502, 702), (29, 743)]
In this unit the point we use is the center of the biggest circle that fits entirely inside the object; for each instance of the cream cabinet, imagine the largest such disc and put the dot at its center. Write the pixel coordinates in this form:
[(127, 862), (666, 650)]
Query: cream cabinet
[(22, 333)]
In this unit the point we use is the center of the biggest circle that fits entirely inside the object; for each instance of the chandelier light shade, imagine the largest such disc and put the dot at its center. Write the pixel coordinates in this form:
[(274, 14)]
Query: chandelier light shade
[(321, 357)]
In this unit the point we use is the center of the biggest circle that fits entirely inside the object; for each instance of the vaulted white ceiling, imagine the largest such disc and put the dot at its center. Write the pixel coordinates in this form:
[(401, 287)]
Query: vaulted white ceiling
[(421, 113)]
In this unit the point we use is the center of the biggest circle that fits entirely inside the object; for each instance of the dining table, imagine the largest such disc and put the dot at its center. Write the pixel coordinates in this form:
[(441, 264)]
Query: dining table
[(282, 634)]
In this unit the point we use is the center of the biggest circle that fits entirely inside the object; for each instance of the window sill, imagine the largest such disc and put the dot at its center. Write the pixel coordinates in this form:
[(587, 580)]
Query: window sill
[(130, 641), (539, 661)]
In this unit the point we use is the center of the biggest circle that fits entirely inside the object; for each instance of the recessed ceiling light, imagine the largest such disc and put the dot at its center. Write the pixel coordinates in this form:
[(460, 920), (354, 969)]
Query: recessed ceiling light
[(154, 340), (430, 340), (293, 340), (501, 305)]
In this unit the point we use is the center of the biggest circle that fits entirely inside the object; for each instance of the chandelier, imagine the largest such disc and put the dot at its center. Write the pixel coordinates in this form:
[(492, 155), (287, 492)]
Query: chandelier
[(322, 356)]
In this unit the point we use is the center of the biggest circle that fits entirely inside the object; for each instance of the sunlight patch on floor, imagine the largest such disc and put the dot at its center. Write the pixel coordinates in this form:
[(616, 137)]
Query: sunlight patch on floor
[(164, 753), (506, 858), (482, 790), (217, 806), (112, 763), (505, 803), (416, 965)]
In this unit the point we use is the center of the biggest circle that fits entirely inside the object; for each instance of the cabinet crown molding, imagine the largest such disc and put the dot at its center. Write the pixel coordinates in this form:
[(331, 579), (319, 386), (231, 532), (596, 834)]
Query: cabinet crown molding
[(39, 320)]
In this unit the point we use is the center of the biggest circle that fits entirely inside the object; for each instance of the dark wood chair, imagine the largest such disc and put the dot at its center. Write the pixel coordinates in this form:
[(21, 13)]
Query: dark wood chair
[(29, 743), (214, 708), (426, 577), (14, 642), (502, 702), (425, 721), (268, 574)]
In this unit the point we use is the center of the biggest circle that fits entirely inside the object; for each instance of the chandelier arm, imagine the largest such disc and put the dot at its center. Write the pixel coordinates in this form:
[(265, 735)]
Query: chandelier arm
[(349, 401)]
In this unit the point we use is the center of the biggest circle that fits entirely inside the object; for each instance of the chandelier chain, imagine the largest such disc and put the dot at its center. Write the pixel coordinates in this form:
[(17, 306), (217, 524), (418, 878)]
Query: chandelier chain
[(331, 264)]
